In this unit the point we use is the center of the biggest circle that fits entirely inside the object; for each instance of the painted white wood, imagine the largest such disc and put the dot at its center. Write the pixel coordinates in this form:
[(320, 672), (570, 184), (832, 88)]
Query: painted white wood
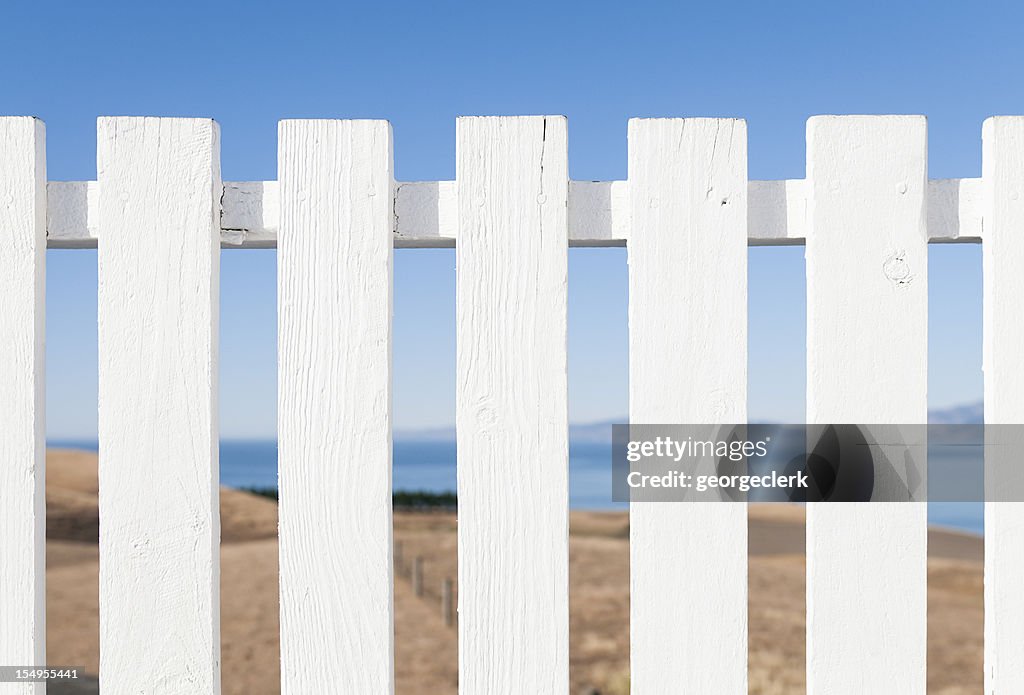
[(426, 213), (334, 413), (162, 210), (512, 405), (251, 213), (955, 210), (867, 348), (22, 407), (598, 213), (158, 308), (688, 364), (1003, 259), (72, 214), (776, 212)]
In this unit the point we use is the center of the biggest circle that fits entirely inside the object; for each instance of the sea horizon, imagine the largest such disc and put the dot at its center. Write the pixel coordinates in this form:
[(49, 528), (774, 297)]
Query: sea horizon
[(429, 465)]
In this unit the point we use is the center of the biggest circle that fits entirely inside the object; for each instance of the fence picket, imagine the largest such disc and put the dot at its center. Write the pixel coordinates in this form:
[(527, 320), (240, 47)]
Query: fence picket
[(158, 472), (511, 407), (688, 364), (1003, 254), (334, 419), (867, 348), (22, 411)]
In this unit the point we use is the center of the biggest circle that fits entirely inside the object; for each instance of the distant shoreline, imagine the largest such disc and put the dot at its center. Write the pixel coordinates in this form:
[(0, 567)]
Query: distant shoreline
[(428, 468)]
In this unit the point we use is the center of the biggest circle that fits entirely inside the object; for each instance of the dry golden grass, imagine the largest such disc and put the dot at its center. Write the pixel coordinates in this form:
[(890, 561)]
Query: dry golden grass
[(426, 650)]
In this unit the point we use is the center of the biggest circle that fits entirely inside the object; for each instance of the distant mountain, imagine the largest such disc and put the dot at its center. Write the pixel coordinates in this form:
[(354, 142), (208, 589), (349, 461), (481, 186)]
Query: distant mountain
[(601, 432), (593, 432), (585, 433), (973, 414), (435, 434)]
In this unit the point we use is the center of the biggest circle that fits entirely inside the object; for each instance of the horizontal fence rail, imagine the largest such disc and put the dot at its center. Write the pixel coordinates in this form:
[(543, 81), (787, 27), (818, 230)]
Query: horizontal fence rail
[(159, 213), (426, 213)]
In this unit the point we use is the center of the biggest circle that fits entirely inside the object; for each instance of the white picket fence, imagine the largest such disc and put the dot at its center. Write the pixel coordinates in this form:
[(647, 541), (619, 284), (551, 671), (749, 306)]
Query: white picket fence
[(160, 214)]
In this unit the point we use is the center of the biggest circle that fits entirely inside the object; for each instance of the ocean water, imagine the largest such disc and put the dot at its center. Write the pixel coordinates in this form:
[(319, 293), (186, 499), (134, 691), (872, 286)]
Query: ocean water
[(430, 465), (426, 465)]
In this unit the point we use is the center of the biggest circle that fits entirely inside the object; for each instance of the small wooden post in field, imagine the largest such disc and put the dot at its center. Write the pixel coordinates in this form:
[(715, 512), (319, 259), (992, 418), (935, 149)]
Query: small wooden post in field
[(446, 602), (417, 575)]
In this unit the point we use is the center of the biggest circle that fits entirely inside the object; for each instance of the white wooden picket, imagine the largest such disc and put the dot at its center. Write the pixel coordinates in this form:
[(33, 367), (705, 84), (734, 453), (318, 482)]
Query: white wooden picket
[(334, 415), (159, 288), (22, 415), (1003, 263), (867, 348), (512, 405), (160, 214), (688, 364)]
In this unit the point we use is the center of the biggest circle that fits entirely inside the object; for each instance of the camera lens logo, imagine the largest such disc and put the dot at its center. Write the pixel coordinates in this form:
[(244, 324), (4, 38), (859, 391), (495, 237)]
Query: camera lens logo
[(840, 467), (840, 462)]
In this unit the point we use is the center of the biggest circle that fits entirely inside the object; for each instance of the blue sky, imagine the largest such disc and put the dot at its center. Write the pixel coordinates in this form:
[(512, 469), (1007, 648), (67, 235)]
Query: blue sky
[(422, 64)]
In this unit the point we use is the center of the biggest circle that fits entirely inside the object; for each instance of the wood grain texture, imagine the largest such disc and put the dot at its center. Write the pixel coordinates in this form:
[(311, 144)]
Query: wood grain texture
[(22, 407), (867, 348), (511, 405), (158, 467), (426, 213), (688, 364), (1003, 262), (334, 412)]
